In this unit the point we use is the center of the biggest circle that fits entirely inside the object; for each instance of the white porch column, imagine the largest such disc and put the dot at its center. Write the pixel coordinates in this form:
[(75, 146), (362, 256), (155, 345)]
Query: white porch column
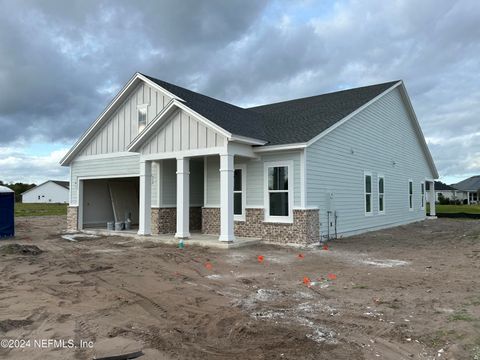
[(468, 198), (145, 211), (183, 198), (432, 199), (226, 198)]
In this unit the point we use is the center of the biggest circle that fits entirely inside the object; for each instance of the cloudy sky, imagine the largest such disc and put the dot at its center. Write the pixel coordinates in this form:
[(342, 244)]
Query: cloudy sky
[(61, 62)]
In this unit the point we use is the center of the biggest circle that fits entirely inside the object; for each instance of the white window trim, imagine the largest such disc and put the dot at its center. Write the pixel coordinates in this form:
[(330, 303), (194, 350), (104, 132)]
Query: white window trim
[(410, 181), (380, 176), (423, 200), (291, 187), (142, 107), (365, 174), (242, 167)]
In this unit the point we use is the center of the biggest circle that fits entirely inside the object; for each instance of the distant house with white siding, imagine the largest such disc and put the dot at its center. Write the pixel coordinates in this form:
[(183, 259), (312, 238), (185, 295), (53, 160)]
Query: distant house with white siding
[(51, 191), (471, 186), (177, 162), (448, 192)]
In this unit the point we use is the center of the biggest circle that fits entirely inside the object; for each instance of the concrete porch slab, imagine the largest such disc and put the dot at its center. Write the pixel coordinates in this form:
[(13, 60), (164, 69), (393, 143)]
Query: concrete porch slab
[(196, 239)]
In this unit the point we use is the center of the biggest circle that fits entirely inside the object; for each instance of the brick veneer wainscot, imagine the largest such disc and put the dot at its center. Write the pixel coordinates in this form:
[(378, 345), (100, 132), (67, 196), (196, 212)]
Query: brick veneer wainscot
[(305, 228), (164, 220), (72, 218)]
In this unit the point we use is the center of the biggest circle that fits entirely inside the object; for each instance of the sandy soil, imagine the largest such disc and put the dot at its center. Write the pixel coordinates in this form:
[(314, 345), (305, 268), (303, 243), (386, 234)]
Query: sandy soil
[(410, 292)]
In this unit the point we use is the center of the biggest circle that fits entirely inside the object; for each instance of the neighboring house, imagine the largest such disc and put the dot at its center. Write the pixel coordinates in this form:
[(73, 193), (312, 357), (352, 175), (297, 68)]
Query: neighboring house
[(472, 187), (353, 160), (448, 192), (51, 191)]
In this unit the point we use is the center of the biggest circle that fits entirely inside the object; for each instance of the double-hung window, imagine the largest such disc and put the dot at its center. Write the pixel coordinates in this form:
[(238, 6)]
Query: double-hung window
[(279, 192), (422, 190), (239, 194), (141, 117), (381, 194), (410, 194), (368, 193)]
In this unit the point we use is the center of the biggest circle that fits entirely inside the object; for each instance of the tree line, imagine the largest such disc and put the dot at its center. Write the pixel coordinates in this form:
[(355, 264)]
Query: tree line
[(18, 188)]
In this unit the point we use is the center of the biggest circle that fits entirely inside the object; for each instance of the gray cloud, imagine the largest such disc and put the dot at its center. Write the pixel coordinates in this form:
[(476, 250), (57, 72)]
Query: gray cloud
[(62, 61)]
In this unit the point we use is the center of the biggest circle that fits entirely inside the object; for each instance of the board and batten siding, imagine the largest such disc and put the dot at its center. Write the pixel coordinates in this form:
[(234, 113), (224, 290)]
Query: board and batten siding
[(181, 132), (122, 127), (381, 140), (255, 187), (120, 166)]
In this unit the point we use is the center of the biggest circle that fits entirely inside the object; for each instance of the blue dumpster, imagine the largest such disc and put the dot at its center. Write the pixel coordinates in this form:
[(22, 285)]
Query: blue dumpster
[(7, 206)]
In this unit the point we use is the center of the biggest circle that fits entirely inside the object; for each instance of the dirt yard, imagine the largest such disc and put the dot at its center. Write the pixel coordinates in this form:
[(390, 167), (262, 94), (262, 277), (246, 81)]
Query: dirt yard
[(411, 292)]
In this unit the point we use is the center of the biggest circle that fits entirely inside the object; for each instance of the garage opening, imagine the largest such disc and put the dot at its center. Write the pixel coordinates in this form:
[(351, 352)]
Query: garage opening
[(110, 200)]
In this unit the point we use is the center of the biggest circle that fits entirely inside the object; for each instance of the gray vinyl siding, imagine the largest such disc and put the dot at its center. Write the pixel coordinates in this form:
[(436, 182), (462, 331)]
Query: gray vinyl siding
[(255, 178), (168, 183), (101, 168), (121, 128), (182, 132), (380, 139), (213, 181)]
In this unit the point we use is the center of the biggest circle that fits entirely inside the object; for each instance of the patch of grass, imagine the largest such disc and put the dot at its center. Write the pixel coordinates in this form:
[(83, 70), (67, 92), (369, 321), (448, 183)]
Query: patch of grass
[(474, 300), (40, 209), (453, 209), (461, 315)]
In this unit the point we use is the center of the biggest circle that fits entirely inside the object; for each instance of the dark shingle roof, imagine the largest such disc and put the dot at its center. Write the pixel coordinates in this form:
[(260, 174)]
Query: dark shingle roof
[(470, 184), (442, 186), (285, 122), (65, 184)]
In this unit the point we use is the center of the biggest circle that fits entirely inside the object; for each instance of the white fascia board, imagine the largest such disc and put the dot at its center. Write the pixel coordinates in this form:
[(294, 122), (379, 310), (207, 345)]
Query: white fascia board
[(203, 119), (247, 140), (418, 129), (167, 111), (266, 148), (158, 87), (352, 114)]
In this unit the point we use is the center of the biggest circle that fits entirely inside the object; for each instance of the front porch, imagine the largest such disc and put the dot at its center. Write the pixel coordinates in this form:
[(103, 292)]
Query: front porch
[(195, 239), (176, 193)]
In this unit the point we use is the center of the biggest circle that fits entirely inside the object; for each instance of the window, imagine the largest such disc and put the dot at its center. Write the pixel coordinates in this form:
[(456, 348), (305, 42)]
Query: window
[(239, 194), (141, 117), (368, 194), (279, 191), (381, 194), (38, 197), (410, 194), (422, 188)]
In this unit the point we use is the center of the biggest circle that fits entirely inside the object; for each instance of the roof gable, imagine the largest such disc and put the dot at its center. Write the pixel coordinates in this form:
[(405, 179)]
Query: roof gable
[(180, 131), (63, 184)]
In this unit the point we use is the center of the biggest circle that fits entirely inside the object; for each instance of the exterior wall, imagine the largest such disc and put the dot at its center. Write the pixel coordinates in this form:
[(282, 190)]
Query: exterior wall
[(120, 166), (168, 183), (164, 220), (72, 218), (255, 186), (304, 229), (451, 194), (380, 139), (181, 132), (48, 192), (121, 128)]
